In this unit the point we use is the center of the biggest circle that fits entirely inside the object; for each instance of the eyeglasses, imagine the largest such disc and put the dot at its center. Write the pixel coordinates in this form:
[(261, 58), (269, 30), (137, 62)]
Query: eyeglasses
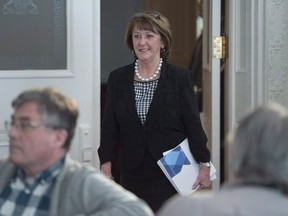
[(22, 125)]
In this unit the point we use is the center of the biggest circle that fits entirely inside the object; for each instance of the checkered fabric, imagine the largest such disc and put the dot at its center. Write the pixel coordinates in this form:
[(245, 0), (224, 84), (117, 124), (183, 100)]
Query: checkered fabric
[(144, 92), (29, 197)]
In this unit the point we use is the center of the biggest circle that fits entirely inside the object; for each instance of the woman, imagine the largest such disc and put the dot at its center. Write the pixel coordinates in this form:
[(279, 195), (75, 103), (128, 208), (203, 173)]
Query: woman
[(150, 108)]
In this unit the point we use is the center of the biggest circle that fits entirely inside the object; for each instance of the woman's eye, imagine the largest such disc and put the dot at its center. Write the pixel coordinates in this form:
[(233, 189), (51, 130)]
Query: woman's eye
[(136, 36)]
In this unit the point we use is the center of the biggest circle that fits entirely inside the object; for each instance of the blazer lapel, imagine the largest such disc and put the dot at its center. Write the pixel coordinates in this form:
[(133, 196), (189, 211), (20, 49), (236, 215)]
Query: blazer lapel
[(128, 86), (160, 91)]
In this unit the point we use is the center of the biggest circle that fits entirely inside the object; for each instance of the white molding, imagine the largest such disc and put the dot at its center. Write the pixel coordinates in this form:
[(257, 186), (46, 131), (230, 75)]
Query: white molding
[(36, 74), (258, 54), (241, 70), (97, 79), (232, 63)]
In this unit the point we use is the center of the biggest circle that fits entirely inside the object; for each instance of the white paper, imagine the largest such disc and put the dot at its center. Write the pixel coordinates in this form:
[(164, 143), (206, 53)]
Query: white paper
[(184, 180)]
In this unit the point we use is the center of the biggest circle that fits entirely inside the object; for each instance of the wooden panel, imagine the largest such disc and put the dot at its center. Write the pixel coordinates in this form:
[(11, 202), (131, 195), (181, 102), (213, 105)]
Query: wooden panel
[(182, 16)]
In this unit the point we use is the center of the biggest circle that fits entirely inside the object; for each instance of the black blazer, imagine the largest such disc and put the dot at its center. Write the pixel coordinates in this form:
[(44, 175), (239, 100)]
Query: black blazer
[(173, 116)]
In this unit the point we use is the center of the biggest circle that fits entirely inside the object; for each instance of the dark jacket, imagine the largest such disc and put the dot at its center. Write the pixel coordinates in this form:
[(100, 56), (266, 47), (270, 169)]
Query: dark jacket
[(173, 115)]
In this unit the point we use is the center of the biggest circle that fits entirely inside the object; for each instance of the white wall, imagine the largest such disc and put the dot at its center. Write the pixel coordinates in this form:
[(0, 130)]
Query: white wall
[(258, 48), (258, 53), (276, 51)]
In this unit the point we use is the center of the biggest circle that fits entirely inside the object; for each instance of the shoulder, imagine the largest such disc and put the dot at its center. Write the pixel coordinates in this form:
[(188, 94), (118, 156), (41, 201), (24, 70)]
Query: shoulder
[(78, 180), (174, 68), (121, 75), (123, 71), (177, 76), (85, 188), (178, 205), (243, 196), (171, 70), (84, 176), (78, 170)]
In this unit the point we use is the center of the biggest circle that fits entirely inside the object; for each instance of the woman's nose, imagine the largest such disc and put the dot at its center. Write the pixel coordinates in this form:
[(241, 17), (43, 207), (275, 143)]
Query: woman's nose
[(142, 40)]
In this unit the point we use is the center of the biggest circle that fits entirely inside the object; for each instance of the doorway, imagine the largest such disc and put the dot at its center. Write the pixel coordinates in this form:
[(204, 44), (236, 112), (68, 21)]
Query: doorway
[(183, 19)]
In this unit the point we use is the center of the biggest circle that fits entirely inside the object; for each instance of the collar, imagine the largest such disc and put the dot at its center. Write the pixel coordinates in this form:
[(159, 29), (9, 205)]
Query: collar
[(45, 176)]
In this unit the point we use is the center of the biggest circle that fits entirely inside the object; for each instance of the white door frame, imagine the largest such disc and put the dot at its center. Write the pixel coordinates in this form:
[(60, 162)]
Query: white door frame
[(211, 83)]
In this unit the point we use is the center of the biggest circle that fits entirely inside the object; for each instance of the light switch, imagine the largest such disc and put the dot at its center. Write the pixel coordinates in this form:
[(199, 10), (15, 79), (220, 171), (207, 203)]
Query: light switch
[(87, 155), (85, 147)]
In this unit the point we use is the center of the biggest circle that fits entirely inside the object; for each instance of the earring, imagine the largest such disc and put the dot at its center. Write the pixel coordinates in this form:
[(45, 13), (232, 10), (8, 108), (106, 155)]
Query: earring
[(162, 52)]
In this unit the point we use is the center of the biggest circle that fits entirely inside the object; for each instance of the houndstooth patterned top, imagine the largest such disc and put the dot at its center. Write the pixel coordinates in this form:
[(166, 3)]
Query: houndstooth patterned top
[(144, 92)]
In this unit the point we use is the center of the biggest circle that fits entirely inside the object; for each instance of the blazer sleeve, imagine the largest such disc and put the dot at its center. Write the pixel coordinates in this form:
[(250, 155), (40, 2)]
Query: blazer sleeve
[(191, 119), (109, 127)]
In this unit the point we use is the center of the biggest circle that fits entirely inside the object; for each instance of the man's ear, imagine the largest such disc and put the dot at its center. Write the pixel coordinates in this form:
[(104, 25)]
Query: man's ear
[(61, 137)]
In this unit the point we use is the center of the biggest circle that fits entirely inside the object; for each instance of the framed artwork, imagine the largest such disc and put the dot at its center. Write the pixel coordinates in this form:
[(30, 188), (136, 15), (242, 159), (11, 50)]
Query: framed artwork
[(33, 35)]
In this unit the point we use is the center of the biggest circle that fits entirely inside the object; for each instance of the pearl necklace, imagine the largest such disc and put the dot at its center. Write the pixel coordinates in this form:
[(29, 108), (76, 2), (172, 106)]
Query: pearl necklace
[(151, 77)]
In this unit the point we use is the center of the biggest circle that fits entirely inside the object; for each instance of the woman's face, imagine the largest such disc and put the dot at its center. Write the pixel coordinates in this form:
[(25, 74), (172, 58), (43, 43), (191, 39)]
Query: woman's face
[(146, 44)]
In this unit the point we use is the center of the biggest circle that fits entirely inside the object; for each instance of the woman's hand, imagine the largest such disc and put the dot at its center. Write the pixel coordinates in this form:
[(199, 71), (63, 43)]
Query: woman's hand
[(106, 169), (203, 179)]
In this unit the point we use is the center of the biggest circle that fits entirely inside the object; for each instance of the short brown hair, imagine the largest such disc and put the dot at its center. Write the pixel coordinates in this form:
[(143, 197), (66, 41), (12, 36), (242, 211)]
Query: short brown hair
[(152, 21)]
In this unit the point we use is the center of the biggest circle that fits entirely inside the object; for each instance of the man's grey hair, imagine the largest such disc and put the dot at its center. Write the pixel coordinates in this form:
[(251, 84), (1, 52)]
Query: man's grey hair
[(57, 110)]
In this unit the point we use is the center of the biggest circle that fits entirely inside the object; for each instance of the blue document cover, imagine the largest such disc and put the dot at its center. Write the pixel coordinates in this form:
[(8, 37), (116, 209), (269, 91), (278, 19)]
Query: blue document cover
[(174, 161)]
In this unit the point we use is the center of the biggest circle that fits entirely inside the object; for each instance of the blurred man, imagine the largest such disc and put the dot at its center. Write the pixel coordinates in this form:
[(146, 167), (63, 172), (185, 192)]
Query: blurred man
[(39, 178)]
